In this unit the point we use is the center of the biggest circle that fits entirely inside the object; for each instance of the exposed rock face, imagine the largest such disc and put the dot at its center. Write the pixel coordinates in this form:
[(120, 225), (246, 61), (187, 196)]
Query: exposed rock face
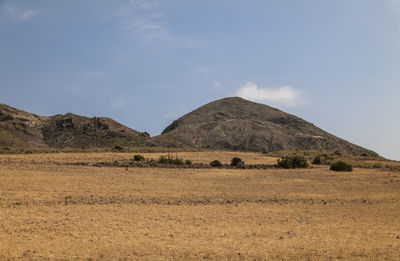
[(22, 129), (72, 130), (19, 128), (238, 124)]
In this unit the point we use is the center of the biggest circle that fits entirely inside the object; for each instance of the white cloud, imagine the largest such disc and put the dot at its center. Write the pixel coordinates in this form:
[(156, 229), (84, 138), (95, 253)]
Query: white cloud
[(28, 14), (11, 11), (19, 14), (145, 21), (143, 4), (283, 95)]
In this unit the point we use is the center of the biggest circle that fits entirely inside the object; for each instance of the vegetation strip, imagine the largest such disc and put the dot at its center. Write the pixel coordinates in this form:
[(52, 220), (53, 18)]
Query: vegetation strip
[(95, 200), (154, 164)]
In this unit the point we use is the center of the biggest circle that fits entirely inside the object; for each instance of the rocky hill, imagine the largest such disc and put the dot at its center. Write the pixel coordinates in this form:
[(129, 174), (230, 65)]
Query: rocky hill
[(19, 128), (23, 129), (228, 124), (238, 124), (72, 130)]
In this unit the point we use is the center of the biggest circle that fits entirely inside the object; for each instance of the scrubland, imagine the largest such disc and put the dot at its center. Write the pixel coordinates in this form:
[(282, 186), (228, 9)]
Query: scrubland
[(51, 209)]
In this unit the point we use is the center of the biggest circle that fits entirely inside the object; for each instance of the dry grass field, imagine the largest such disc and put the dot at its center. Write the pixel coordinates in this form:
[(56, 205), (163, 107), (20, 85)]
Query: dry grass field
[(51, 210)]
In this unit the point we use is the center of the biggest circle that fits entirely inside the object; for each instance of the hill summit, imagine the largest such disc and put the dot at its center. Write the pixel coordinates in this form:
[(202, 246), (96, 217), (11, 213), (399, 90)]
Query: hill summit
[(238, 124)]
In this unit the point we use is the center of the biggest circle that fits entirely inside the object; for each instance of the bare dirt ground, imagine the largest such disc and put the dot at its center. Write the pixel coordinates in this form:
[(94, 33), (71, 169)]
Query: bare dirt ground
[(53, 211)]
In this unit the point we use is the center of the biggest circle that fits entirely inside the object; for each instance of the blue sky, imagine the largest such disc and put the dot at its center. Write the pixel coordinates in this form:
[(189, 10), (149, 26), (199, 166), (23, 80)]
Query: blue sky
[(335, 63)]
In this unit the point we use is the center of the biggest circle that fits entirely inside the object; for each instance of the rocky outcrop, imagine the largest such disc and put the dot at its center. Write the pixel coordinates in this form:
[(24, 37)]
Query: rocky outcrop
[(72, 130), (19, 128), (23, 129)]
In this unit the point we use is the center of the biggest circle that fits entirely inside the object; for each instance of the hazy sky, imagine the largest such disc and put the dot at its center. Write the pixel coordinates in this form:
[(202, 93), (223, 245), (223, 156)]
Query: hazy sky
[(335, 63)]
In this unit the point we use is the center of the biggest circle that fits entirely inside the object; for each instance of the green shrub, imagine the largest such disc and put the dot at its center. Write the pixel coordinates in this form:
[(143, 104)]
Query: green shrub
[(118, 148), (170, 160), (292, 162), (215, 164), (162, 160), (138, 158), (188, 162), (176, 161), (236, 161), (317, 160), (341, 166)]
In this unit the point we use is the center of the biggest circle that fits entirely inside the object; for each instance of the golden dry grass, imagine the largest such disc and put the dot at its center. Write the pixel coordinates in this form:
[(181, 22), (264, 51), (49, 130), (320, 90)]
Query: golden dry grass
[(52, 211)]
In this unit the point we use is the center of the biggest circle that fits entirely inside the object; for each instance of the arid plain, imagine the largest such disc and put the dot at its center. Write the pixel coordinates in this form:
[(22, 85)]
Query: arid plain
[(53, 207)]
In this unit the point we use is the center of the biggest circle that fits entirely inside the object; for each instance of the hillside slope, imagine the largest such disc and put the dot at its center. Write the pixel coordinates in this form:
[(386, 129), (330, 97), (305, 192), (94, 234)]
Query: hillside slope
[(228, 124), (19, 128), (238, 124), (23, 129)]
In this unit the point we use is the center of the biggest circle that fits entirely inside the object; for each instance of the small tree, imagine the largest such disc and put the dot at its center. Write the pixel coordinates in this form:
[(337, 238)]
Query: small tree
[(317, 160), (216, 164), (236, 161)]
